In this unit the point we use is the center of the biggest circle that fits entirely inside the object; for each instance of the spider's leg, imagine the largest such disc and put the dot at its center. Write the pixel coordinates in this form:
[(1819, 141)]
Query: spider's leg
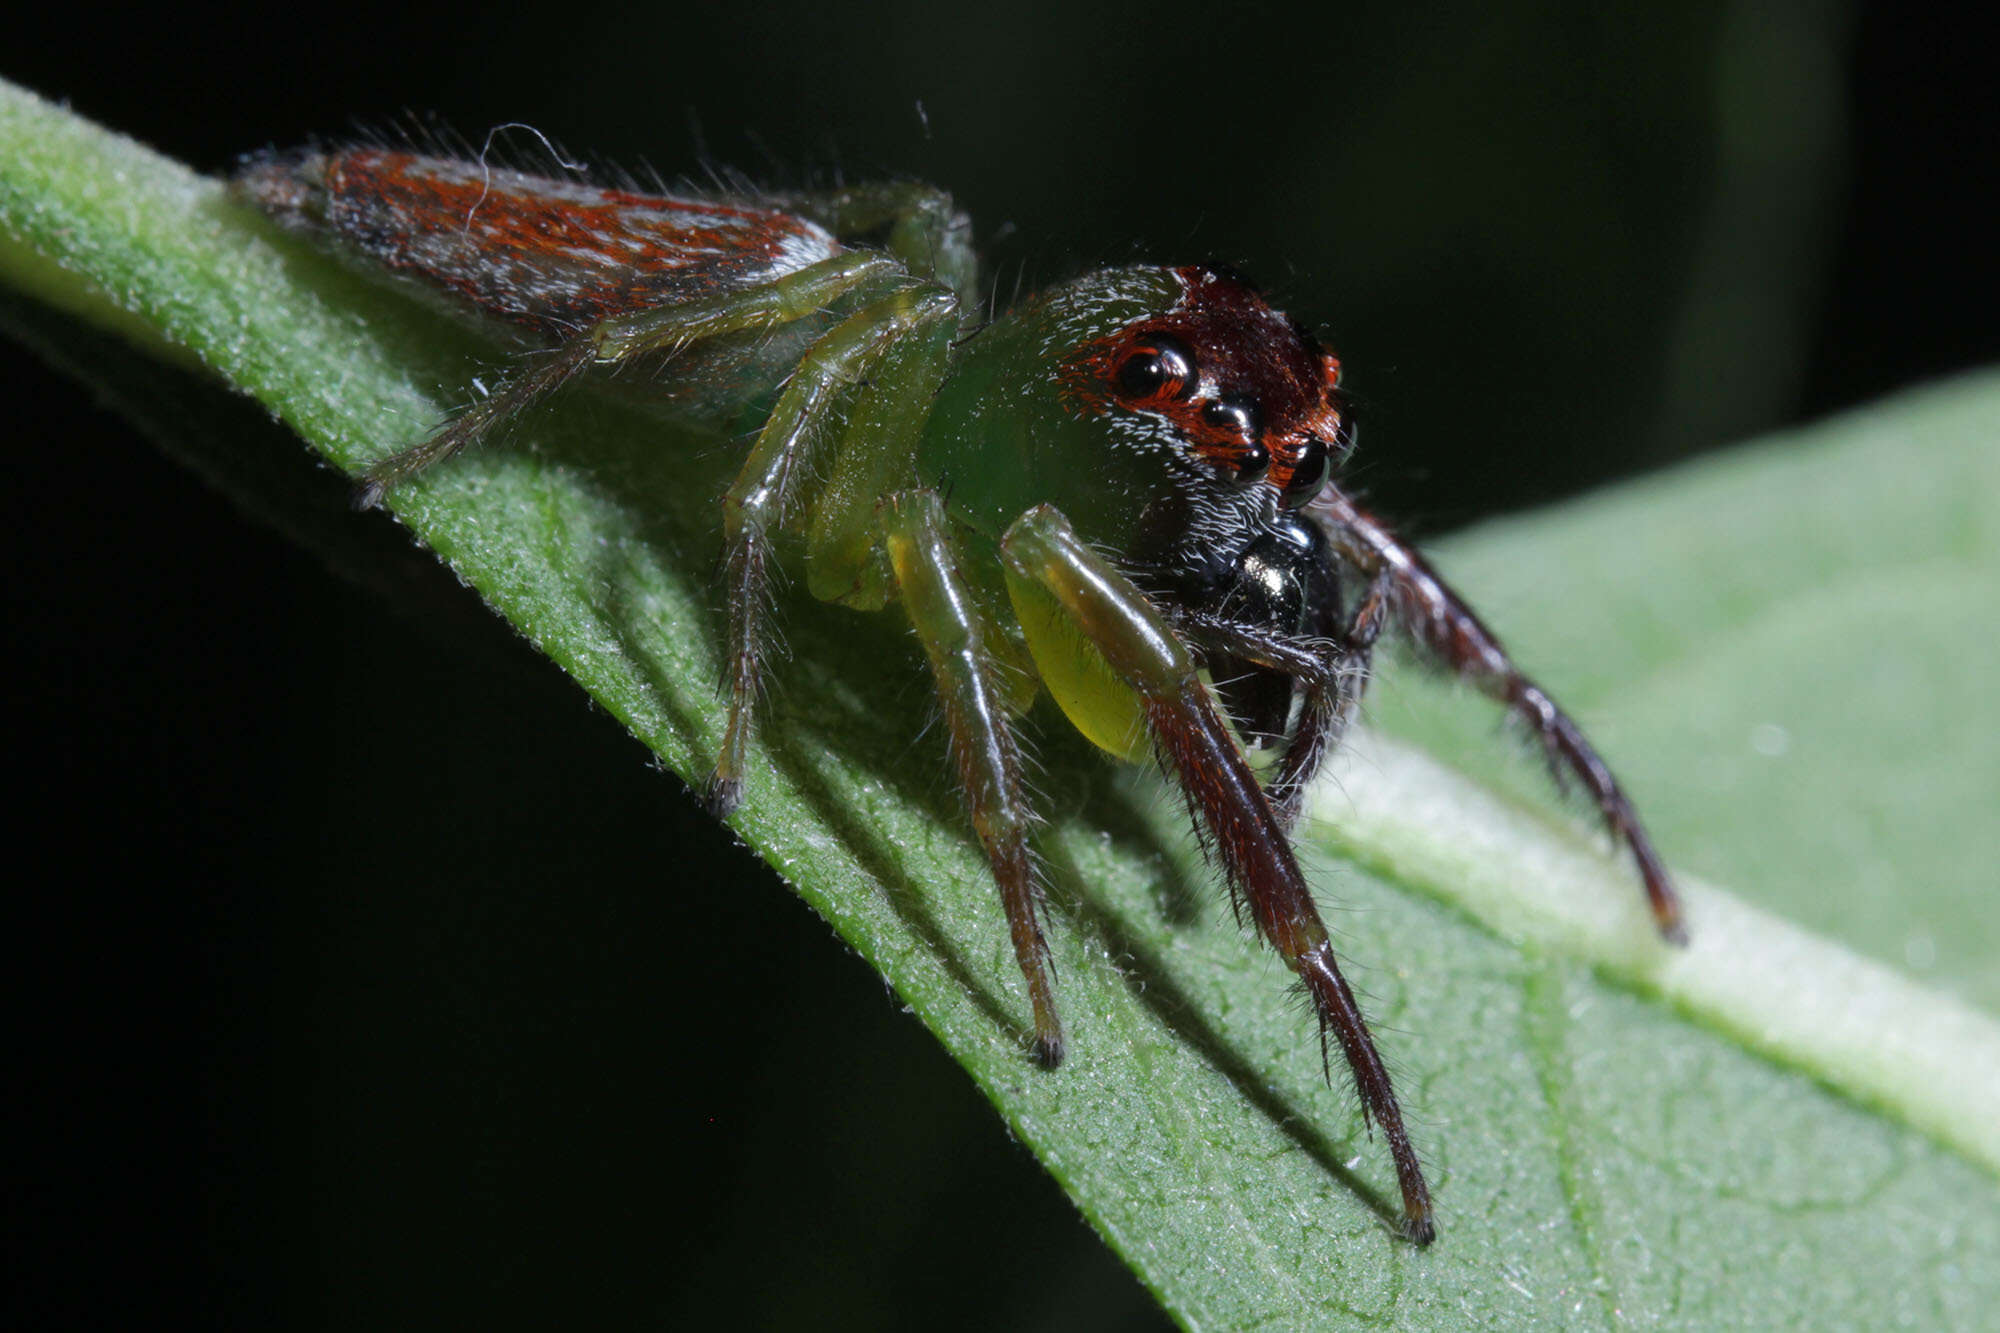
[(1331, 668), (957, 638), (1445, 629), (758, 500), (1045, 556), (528, 385), (763, 305), (845, 559), (1328, 706), (919, 224), (622, 337)]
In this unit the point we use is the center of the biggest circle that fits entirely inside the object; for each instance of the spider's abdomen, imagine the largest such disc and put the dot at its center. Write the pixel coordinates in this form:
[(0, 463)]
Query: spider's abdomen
[(583, 251)]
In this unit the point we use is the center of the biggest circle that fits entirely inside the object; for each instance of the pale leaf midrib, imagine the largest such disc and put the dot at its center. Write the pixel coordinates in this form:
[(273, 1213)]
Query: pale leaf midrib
[(1921, 1055)]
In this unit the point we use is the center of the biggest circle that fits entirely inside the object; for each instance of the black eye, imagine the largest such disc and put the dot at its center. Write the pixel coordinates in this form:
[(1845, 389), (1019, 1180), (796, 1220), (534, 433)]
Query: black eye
[(1252, 464), (1309, 475), (1239, 416), (1164, 363)]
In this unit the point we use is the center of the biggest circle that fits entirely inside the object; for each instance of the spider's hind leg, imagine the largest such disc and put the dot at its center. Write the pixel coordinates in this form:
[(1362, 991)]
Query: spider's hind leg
[(622, 338), (529, 385), (759, 500), (919, 224)]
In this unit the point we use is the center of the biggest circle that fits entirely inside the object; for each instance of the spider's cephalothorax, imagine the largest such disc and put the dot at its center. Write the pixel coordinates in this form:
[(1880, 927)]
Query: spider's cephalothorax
[(1121, 492), (1177, 419)]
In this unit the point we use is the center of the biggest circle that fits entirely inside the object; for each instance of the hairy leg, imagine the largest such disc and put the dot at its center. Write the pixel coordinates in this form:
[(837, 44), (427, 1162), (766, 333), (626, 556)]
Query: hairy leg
[(957, 640), (758, 501), (1447, 631), (845, 557), (624, 337), (1043, 553), (919, 224), (762, 306), (531, 383)]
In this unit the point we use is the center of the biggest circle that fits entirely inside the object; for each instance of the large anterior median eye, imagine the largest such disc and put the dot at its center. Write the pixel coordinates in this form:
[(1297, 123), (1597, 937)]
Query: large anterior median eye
[(1161, 366)]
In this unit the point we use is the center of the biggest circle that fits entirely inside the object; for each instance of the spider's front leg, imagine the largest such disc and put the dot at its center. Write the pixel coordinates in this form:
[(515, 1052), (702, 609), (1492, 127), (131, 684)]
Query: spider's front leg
[(1329, 665), (1447, 631), (1046, 559)]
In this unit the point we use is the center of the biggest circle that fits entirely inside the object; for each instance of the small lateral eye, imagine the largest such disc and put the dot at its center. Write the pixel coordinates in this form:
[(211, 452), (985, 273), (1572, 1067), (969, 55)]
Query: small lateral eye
[(1252, 464), (1309, 474), (1239, 416), (1161, 364)]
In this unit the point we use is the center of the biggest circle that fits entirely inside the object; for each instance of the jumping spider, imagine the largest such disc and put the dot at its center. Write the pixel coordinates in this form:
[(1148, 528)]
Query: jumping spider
[(1121, 491)]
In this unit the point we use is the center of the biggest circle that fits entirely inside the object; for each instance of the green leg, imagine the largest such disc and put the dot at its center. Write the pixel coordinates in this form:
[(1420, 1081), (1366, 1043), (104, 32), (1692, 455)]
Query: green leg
[(790, 298), (919, 224), (875, 457), (758, 501), (846, 555), (1116, 618), (765, 306), (958, 640), (529, 385)]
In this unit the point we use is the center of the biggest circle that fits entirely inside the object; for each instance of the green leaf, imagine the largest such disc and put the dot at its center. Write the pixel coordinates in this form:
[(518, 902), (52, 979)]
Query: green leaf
[(1783, 650)]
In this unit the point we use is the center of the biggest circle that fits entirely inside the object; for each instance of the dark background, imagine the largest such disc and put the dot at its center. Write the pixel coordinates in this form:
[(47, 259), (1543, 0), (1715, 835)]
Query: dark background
[(367, 975)]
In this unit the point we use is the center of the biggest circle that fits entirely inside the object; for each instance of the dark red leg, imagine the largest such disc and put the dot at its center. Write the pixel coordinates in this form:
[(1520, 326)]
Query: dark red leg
[(1330, 665), (1445, 629), (1258, 860), (1326, 710), (1045, 558)]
